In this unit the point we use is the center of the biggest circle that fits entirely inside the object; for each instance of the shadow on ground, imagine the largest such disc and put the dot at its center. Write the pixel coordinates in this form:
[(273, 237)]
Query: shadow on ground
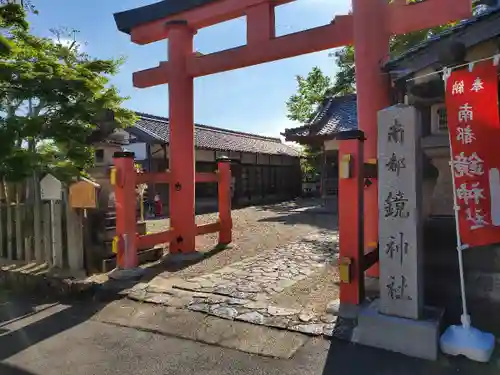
[(302, 211), (344, 358), (6, 369), (15, 307)]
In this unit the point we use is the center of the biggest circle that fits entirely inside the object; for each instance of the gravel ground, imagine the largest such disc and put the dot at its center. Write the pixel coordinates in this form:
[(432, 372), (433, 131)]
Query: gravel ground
[(263, 228)]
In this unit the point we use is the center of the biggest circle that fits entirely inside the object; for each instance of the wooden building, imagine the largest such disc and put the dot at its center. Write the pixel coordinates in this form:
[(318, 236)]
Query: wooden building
[(417, 80), (335, 115), (264, 168)]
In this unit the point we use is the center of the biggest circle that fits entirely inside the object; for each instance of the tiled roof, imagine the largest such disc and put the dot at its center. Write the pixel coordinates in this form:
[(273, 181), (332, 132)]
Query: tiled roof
[(151, 128), (457, 31), (337, 114)]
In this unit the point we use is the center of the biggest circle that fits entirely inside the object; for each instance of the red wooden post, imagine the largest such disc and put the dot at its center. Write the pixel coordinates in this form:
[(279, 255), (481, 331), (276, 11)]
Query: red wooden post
[(124, 180), (182, 160), (371, 46), (351, 217), (224, 187)]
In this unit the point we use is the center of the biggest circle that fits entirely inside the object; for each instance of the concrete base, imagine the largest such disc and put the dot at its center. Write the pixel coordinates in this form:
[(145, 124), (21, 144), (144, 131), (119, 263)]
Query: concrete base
[(415, 338), (129, 274)]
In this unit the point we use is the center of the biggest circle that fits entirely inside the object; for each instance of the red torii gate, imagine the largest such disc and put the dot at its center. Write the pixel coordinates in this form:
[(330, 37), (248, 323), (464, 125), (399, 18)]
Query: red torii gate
[(369, 28)]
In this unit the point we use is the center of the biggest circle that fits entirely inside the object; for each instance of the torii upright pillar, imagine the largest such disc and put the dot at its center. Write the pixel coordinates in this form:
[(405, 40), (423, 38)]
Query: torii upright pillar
[(371, 47), (182, 157), (374, 21)]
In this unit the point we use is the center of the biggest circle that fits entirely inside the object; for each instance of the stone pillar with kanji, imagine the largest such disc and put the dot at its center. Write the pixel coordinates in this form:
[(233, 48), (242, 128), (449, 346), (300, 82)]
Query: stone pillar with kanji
[(398, 320)]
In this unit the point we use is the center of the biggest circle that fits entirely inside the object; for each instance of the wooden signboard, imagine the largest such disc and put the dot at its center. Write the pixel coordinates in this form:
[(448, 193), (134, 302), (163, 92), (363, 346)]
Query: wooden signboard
[(50, 188), (84, 194)]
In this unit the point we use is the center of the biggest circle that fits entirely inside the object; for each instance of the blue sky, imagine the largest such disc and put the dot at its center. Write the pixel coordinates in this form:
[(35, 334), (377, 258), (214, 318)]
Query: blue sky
[(251, 99)]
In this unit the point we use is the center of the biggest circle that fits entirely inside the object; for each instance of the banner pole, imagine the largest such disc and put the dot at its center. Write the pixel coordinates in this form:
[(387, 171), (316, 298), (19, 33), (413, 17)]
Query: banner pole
[(463, 339), (465, 318)]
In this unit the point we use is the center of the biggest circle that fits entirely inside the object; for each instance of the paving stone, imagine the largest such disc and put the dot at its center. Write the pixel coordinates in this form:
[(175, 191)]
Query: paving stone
[(328, 318), (310, 329), (216, 299), (236, 301), (257, 305), (206, 283), (328, 330), (224, 312), (251, 317), (241, 295), (249, 288), (277, 322), (242, 290), (201, 307), (187, 285), (333, 307), (224, 290), (281, 311), (306, 316), (206, 290), (137, 295), (157, 298), (179, 303)]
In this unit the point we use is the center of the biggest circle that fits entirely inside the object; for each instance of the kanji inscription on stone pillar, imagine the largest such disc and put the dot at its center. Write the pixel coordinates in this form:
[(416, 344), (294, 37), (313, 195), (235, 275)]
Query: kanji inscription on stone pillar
[(400, 237)]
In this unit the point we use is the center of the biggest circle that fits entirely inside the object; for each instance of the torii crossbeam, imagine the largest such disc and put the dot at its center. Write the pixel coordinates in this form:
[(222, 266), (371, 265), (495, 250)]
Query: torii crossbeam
[(369, 27)]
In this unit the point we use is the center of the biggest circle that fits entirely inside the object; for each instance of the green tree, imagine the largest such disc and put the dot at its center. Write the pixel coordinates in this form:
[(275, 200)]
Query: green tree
[(52, 100), (302, 105), (310, 93), (11, 15)]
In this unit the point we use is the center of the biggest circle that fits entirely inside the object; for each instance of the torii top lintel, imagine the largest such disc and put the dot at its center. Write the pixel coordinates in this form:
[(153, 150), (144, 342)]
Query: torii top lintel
[(148, 24)]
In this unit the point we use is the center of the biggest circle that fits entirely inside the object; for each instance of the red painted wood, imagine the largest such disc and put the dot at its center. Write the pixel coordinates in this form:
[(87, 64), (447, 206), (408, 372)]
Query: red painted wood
[(350, 221), (151, 77), (313, 40), (202, 177), (149, 241), (224, 190), (198, 18), (371, 49), (126, 224), (153, 178), (182, 159), (430, 13), (207, 228), (260, 23), (370, 27)]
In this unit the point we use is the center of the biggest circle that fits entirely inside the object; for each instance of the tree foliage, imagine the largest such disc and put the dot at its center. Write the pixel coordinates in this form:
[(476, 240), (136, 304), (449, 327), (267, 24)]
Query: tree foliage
[(11, 15), (52, 97), (302, 105), (311, 91)]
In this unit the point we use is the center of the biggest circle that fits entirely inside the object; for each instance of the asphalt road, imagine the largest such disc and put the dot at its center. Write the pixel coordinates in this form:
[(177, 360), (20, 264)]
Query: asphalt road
[(67, 340)]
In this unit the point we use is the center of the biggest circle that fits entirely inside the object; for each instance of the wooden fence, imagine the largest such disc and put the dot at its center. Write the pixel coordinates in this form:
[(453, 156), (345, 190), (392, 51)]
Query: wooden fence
[(34, 231)]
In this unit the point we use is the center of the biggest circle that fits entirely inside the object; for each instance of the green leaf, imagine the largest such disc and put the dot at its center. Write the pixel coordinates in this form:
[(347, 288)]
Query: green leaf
[(52, 104)]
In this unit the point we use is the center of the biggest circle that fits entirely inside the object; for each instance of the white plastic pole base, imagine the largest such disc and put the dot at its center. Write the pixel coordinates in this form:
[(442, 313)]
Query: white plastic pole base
[(467, 341)]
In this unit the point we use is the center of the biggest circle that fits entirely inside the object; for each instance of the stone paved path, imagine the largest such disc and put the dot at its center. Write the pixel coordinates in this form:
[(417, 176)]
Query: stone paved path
[(270, 272), (242, 290)]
